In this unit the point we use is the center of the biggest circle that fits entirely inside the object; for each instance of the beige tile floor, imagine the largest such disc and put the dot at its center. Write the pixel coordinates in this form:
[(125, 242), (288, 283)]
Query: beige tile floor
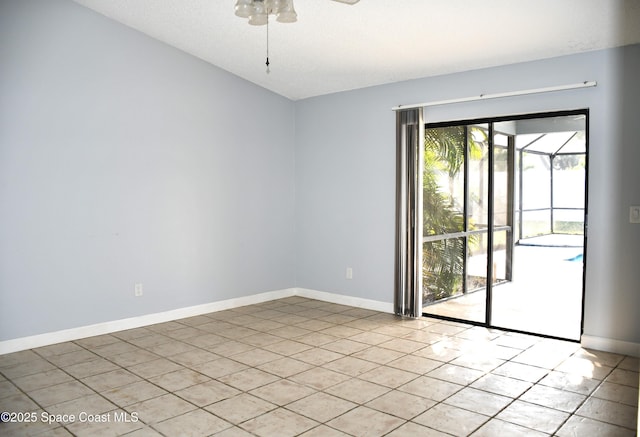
[(297, 366)]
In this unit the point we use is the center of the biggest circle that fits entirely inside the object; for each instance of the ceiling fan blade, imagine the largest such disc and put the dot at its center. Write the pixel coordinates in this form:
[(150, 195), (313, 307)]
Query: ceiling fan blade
[(348, 2)]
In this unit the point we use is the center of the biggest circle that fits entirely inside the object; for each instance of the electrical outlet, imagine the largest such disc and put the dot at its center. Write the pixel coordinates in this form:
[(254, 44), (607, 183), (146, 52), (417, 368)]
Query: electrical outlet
[(634, 214), (137, 290), (349, 274)]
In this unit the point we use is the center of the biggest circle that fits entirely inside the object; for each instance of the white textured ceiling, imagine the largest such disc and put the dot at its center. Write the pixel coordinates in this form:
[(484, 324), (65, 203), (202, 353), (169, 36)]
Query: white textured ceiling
[(335, 47)]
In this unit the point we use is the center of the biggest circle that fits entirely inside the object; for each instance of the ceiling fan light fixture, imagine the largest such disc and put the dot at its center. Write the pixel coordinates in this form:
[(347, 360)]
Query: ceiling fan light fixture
[(274, 6), (286, 13), (258, 19), (259, 15), (244, 8), (258, 11)]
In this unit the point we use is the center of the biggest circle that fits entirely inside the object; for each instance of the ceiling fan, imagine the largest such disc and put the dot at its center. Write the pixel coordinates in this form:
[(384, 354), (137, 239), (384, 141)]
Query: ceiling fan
[(258, 11)]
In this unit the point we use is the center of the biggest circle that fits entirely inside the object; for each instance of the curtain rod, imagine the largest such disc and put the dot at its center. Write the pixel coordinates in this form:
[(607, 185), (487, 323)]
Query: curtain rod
[(585, 84)]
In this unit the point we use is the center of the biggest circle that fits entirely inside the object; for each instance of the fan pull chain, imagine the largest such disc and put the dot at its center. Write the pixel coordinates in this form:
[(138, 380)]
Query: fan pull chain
[(267, 63)]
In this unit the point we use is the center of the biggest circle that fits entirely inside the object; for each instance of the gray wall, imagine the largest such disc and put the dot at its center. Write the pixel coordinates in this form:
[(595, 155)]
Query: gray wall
[(345, 170), (123, 160)]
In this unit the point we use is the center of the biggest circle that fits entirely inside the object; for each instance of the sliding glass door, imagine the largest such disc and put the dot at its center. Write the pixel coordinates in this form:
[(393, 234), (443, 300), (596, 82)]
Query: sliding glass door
[(483, 183)]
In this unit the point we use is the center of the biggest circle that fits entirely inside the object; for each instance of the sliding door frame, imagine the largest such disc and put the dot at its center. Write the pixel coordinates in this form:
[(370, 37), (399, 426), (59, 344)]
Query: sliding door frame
[(490, 121)]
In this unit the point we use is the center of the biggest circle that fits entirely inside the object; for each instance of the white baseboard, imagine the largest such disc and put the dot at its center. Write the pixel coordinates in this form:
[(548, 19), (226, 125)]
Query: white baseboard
[(358, 302), (610, 345), (19, 344), (34, 341)]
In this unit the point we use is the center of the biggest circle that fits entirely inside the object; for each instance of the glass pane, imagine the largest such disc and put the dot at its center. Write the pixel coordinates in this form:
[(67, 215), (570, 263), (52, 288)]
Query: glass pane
[(451, 155), (543, 293), (443, 180), (536, 181), (568, 221), (568, 181), (536, 223)]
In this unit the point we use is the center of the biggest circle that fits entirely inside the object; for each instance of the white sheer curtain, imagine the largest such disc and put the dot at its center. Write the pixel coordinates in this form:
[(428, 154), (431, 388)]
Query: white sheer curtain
[(409, 163)]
